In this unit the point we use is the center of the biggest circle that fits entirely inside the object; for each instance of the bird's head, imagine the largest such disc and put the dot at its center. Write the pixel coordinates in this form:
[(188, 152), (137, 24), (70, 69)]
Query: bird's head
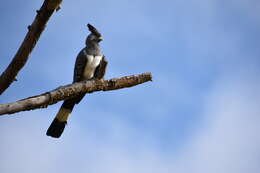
[(94, 36)]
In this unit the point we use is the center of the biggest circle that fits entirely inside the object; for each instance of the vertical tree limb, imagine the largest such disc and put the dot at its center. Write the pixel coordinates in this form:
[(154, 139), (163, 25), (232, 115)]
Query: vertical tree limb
[(29, 42)]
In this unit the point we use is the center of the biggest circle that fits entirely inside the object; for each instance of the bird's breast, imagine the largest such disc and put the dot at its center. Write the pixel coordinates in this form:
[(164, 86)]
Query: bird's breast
[(92, 63)]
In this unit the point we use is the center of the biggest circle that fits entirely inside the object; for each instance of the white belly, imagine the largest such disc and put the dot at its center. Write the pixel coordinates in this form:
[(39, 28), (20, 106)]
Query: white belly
[(93, 62)]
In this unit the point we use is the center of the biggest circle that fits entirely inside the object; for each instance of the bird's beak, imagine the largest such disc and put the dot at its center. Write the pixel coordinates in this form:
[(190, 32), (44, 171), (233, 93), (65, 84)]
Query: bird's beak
[(100, 39)]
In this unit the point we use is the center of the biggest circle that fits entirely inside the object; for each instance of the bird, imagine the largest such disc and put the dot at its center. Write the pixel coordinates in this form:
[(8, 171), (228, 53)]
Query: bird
[(86, 67)]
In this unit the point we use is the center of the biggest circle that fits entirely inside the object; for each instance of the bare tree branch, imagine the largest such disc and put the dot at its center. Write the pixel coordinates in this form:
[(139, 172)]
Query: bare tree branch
[(29, 42), (72, 90)]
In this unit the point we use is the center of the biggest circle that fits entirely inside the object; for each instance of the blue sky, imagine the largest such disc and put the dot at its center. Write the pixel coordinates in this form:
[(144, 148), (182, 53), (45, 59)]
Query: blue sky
[(200, 114)]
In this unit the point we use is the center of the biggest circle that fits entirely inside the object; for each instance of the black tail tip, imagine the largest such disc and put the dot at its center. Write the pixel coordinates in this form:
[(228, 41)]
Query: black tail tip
[(56, 128)]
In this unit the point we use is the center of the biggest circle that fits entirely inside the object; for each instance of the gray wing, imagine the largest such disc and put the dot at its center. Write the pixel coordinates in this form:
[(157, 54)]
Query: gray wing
[(101, 69), (79, 67)]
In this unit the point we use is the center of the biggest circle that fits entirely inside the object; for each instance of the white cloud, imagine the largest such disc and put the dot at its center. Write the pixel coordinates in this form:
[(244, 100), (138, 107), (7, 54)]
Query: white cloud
[(228, 142)]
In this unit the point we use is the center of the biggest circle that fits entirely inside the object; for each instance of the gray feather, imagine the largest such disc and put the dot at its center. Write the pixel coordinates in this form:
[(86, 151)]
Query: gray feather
[(80, 64), (92, 48)]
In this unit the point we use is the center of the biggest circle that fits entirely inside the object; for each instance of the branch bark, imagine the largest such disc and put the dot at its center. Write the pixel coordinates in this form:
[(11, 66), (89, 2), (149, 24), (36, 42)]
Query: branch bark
[(29, 42), (72, 90)]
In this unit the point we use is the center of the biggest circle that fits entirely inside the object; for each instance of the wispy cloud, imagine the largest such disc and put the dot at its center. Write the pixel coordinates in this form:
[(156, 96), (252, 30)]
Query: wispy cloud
[(227, 141), (201, 113)]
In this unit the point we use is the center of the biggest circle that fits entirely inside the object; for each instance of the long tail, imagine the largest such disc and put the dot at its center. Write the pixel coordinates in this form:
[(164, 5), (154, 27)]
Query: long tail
[(58, 124)]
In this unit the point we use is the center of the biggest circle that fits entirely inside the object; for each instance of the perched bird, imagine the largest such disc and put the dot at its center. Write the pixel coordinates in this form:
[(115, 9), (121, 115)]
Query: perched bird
[(86, 67)]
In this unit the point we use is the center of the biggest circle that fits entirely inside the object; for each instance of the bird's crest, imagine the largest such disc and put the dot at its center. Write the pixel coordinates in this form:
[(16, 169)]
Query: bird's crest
[(93, 30)]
